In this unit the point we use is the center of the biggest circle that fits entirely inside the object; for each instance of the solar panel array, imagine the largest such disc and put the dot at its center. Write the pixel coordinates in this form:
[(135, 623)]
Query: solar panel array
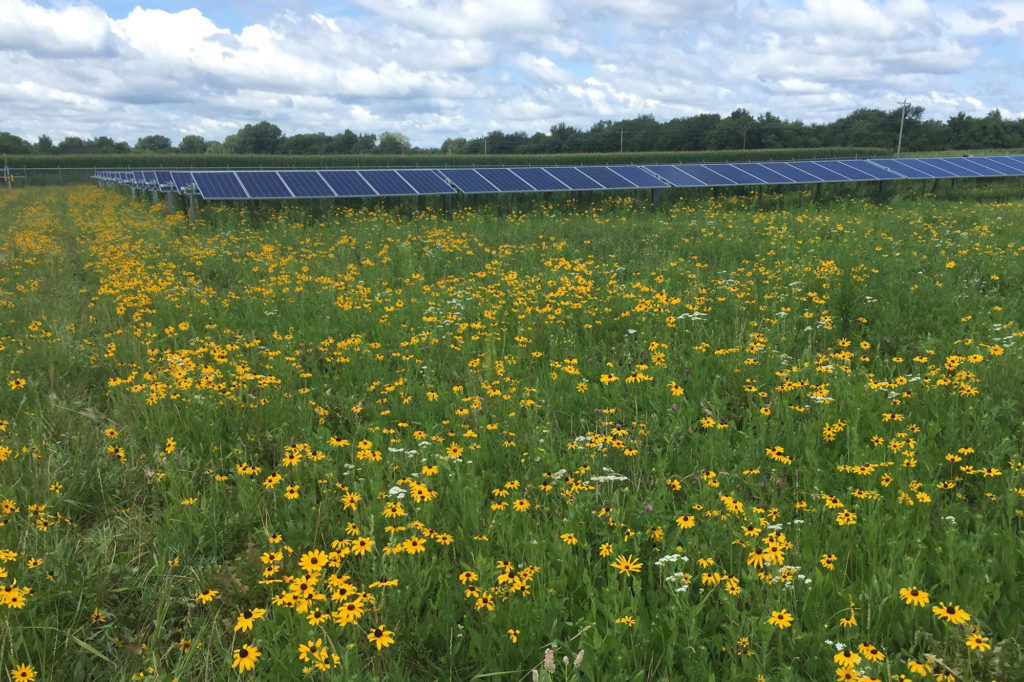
[(330, 184)]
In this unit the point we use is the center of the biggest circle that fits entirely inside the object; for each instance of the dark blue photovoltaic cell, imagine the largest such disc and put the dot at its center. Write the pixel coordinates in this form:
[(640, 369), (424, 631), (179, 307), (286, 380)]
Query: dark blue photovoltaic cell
[(150, 177), (936, 171), (706, 175), (790, 171), (505, 180), (263, 185), (219, 185), (639, 176), (870, 170), (822, 173), (426, 181), (766, 173), (387, 182), (1013, 167), (307, 184), (907, 168), (994, 169), (952, 169), (163, 177), (973, 165), (348, 183), (741, 174), (138, 178), (469, 181), (574, 178), (606, 177), (675, 176), (540, 179), (847, 173), (181, 179)]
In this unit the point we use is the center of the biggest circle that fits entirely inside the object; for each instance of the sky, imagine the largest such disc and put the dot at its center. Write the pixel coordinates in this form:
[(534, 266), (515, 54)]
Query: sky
[(437, 69)]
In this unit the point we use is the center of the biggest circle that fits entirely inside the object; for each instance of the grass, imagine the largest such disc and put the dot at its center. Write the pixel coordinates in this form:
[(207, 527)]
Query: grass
[(735, 437)]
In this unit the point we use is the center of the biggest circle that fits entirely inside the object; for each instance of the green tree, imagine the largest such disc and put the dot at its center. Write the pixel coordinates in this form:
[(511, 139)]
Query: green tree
[(12, 144), (153, 143), (364, 144), (342, 143), (306, 143), (393, 143), (44, 145), (192, 144), (73, 145), (258, 138)]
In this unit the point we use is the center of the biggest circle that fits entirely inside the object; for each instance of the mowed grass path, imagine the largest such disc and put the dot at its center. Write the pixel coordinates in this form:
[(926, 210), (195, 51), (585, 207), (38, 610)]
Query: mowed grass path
[(736, 438)]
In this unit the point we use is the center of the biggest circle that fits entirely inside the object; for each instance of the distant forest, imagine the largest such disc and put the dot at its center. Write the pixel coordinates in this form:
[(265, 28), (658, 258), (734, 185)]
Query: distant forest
[(739, 130)]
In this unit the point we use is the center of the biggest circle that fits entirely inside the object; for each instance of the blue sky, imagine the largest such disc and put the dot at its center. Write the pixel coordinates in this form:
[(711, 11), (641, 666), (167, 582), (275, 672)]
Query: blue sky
[(434, 69)]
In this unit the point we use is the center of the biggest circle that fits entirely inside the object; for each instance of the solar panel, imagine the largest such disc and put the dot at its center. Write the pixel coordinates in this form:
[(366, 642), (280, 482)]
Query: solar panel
[(181, 179), (163, 178), (870, 171), (994, 169), (505, 180), (149, 177), (426, 182), (606, 177), (574, 178), (675, 176), (639, 176), (219, 185), (387, 183), (348, 183), (820, 172), (771, 176), (306, 184), (788, 170), (540, 180), (706, 175), (737, 173), (1014, 167), (469, 181), (847, 173), (907, 168), (263, 185), (973, 165), (955, 169)]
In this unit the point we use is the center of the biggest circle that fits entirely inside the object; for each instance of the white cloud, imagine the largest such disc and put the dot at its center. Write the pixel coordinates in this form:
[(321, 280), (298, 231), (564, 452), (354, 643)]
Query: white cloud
[(445, 68), (72, 31)]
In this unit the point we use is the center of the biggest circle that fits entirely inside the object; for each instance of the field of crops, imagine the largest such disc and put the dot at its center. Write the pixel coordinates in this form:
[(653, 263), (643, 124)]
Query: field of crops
[(737, 438)]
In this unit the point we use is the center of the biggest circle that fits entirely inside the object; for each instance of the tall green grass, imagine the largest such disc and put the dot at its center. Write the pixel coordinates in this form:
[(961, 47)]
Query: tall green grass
[(759, 363)]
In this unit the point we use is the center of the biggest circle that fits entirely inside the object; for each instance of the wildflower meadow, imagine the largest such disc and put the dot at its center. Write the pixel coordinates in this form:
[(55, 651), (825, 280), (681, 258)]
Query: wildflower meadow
[(737, 437)]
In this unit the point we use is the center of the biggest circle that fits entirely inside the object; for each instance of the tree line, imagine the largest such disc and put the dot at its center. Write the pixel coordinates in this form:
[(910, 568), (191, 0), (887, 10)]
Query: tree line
[(738, 130)]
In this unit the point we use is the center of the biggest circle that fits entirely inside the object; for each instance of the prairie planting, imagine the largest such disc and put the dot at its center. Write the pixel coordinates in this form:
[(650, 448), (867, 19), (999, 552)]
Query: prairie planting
[(738, 438)]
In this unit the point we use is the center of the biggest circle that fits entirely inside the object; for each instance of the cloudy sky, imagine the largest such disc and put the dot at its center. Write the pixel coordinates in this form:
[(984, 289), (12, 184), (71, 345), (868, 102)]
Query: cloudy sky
[(434, 69)]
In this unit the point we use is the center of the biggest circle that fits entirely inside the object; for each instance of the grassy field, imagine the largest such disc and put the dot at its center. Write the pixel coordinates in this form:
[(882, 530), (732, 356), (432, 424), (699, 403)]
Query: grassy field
[(737, 438)]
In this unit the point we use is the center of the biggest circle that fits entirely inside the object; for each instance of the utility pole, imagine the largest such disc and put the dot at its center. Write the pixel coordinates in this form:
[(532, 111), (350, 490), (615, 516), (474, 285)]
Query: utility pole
[(903, 115), (622, 134)]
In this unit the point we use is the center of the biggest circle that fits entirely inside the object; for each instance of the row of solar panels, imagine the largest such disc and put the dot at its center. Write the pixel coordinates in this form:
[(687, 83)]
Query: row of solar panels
[(312, 184)]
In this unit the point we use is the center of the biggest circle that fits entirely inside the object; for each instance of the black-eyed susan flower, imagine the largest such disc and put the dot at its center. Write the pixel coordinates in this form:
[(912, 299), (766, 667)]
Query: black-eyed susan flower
[(951, 612), (381, 637), (913, 596), (205, 596), (627, 564), (847, 658), (247, 618), (245, 658), (781, 619), (977, 642)]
